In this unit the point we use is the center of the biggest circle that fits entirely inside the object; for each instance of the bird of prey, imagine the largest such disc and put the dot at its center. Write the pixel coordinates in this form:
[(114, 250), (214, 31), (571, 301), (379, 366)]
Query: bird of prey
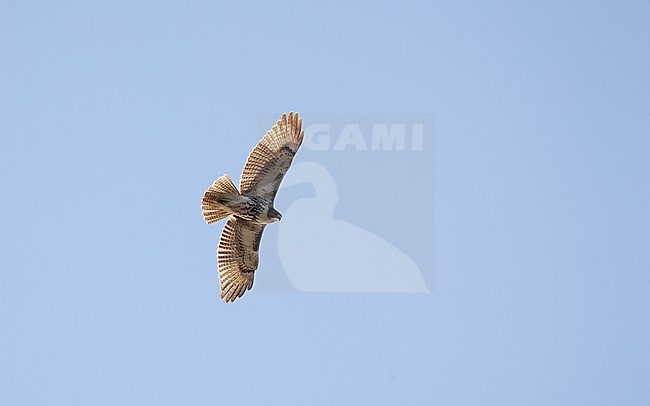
[(251, 207)]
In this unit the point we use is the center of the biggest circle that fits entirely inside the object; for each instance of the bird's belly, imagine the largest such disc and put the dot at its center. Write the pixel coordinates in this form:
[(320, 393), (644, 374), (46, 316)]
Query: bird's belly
[(247, 209), (264, 218), (253, 218)]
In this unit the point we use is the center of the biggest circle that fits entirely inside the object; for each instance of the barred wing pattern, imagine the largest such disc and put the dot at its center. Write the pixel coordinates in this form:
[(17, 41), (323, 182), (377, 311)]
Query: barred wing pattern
[(271, 158), (237, 256)]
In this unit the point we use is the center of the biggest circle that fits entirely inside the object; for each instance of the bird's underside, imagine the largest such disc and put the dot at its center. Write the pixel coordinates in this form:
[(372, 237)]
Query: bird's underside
[(250, 208)]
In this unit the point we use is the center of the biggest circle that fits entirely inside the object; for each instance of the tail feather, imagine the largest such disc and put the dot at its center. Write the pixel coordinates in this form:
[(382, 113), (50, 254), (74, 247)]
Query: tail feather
[(214, 211)]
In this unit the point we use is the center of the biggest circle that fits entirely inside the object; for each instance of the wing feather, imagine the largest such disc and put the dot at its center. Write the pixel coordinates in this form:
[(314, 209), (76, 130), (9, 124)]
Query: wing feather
[(271, 158), (238, 257)]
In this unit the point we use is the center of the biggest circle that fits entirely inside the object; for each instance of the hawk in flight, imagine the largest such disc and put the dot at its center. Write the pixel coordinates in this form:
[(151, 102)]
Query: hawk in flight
[(251, 207)]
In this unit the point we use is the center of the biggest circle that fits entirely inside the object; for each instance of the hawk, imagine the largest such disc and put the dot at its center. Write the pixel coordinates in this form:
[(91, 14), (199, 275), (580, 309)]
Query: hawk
[(251, 207)]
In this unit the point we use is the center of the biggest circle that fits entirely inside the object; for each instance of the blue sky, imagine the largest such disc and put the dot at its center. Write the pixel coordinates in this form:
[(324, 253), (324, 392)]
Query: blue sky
[(114, 118)]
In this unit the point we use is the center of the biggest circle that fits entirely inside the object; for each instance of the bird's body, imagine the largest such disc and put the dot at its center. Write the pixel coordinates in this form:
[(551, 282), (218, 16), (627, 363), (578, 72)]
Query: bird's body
[(250, 208)]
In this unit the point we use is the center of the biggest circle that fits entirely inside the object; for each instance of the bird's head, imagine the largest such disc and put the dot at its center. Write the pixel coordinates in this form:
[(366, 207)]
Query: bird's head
[(274, 214)]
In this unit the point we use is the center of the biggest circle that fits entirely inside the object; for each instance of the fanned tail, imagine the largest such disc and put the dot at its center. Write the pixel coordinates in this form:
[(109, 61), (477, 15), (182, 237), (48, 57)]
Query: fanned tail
[(220, 190)]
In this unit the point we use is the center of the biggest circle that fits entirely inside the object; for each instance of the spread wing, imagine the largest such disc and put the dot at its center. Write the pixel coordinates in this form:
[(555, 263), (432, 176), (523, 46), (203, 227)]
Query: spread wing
[(238, 257), (271, 158)]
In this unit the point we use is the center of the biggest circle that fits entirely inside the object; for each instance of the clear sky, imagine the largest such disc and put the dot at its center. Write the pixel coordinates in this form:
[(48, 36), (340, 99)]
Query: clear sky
[(115, 116)]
